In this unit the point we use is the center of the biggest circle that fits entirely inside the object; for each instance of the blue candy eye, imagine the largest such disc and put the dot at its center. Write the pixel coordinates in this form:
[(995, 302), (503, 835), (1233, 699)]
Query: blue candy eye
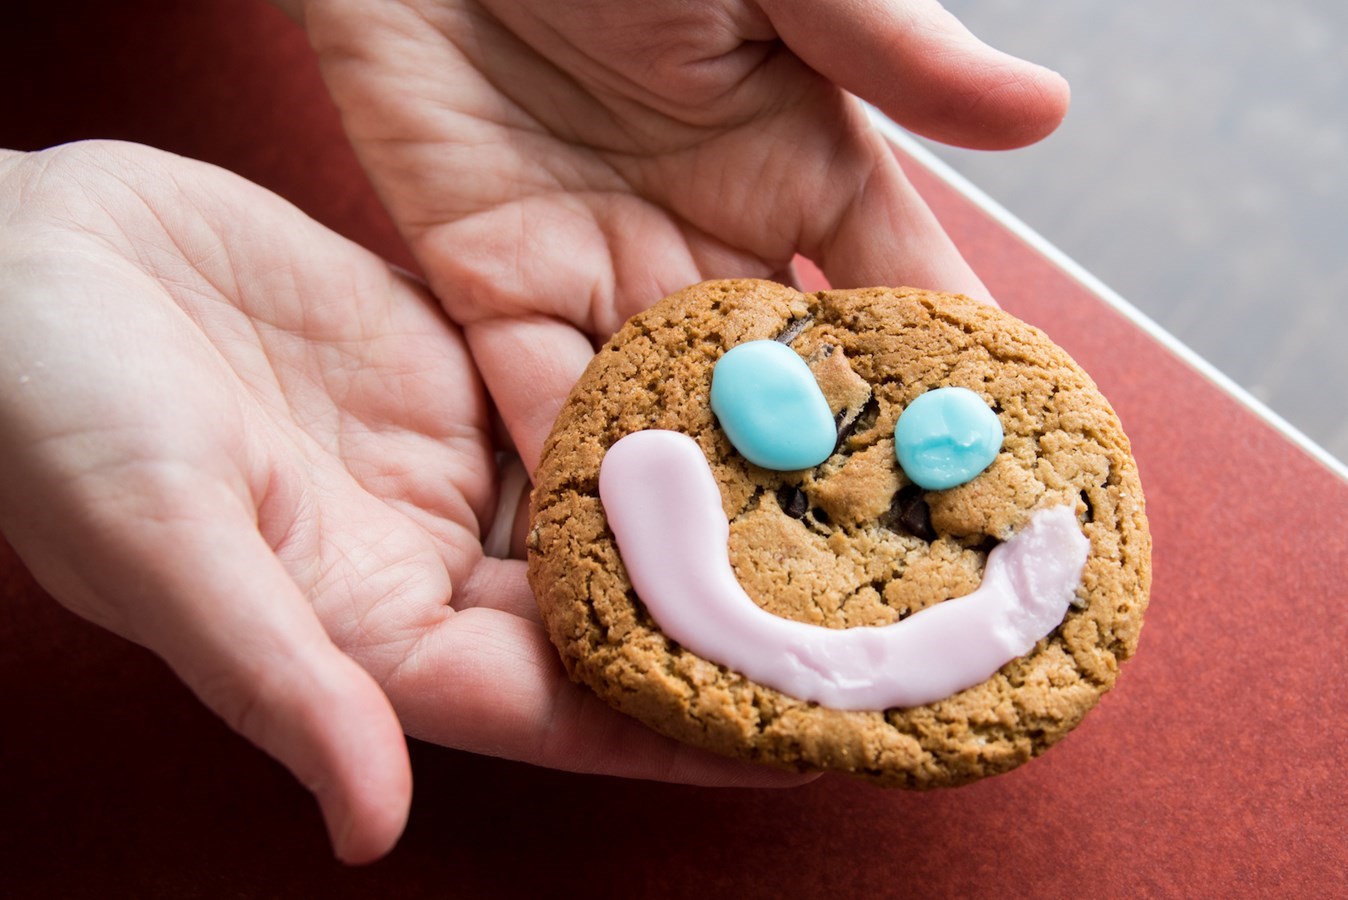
[(946, 437), (771, 407)]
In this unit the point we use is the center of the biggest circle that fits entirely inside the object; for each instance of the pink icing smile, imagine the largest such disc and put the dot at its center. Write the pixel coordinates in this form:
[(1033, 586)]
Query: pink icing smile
[(664, 508)]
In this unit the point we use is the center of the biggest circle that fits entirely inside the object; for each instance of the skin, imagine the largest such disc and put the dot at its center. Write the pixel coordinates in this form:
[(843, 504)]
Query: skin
[(558, 167), (226, 461), (225, 457)]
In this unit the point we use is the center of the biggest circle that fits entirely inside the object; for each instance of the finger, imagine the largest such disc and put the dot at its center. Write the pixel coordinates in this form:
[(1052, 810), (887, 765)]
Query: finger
[(884, 233), (519, 536), (790, 275), (511, 496), (206, 593), (498, 584), (256, 654), (491, 683), (529, 364), (919, 64)]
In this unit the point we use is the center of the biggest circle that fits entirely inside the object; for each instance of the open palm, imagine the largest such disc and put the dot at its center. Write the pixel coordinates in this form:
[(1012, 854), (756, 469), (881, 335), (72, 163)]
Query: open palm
[(248, 444), (557, 167)]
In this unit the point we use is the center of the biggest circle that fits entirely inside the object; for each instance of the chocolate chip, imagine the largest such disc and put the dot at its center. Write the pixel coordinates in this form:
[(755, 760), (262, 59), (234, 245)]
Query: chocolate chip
[(821, 517), (847, 426), (792, 500), (909, 511), (793, 329)]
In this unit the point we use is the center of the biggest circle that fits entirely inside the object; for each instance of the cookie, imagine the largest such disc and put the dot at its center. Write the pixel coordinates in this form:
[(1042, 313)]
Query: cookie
[(895, 533)]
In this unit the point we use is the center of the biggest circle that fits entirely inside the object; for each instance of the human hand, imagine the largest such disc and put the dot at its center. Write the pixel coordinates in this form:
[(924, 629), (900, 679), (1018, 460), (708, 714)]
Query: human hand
[(242, 441), (556, 167)]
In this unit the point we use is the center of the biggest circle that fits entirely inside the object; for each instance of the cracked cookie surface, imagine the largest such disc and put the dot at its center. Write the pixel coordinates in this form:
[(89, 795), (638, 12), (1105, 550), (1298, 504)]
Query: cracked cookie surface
[(850, 542)]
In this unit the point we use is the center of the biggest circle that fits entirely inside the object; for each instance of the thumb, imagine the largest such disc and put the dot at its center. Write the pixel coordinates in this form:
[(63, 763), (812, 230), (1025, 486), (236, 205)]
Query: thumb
[(924, 69), (206, 593), (530, 364), (241, 635)]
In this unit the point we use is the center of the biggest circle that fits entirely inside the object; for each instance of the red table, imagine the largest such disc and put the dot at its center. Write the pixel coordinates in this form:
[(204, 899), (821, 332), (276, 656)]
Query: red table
[(1216, 768)]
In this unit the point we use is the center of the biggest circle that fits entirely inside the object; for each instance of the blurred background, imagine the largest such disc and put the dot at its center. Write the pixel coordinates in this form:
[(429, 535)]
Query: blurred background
[(1202, 173)]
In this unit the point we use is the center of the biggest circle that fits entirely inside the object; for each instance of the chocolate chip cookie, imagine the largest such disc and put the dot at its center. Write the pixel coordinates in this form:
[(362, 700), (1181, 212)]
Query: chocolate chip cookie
[(929, 574)]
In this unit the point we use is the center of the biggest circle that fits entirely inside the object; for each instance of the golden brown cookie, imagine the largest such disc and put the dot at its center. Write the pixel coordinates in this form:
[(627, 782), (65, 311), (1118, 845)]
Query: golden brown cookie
[(851, 542)]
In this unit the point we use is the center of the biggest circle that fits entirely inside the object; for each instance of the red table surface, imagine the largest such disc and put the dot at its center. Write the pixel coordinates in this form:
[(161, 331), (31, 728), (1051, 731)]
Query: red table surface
[(1216, 768)]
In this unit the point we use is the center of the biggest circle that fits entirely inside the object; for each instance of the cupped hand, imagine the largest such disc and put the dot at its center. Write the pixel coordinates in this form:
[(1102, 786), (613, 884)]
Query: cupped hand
[(557, 167), (233, 436)]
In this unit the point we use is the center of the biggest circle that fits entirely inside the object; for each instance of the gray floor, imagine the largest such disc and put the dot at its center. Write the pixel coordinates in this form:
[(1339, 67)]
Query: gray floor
[(1202, 173)]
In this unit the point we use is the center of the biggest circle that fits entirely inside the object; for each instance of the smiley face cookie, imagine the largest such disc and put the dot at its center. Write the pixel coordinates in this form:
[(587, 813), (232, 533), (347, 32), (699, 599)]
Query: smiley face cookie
[(887, 532)]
